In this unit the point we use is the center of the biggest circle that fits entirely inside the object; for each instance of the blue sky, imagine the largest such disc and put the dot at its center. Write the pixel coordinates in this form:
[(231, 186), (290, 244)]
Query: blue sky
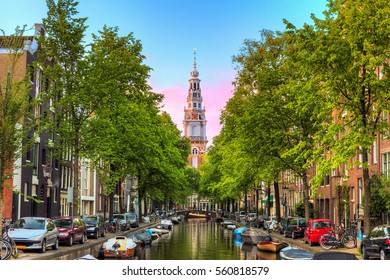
[(169, 30)]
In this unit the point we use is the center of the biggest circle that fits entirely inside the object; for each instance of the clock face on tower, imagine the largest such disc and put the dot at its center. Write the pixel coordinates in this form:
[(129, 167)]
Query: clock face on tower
[(194, 116)]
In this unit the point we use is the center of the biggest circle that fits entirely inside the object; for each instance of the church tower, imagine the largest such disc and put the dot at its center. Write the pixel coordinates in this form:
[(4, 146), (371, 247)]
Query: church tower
[(195, 119)]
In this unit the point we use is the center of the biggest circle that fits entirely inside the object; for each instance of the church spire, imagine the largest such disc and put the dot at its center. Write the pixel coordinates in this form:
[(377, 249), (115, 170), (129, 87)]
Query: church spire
[(194, 72)]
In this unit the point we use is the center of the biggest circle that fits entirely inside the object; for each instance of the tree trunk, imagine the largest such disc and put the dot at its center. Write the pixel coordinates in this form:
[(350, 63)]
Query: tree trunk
[(366, 192), (306, 195), (277, 201)]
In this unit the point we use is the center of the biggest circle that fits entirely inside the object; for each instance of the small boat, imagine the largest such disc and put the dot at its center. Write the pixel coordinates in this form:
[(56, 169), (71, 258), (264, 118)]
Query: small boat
[(175, 220), (237, 231), (143, 238), (119, 247), (226, 223), (231, 227), (254, 236), (292, 253), (160, 230), (197, 215), (167, 224), (271, 246), (153, 233), (334, 256)]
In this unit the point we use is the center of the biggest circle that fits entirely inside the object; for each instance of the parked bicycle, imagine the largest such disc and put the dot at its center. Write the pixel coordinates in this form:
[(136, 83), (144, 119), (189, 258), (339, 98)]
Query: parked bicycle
[(274, 226), (7, 245), (343, 238)]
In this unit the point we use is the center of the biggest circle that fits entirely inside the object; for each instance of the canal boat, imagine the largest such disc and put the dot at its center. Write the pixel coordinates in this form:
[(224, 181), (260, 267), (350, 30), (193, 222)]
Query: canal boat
[(142, 238), (271, 246), (237, 231), (167, 224), (227, 223), (197, 215), (152, 233), (254, 236), (160, 230), (292, 253), (119, 247)]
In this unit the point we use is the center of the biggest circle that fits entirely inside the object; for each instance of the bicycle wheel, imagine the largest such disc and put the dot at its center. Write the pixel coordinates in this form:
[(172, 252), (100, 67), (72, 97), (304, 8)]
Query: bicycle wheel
[(349, 241), (5, 250), (324, 243)]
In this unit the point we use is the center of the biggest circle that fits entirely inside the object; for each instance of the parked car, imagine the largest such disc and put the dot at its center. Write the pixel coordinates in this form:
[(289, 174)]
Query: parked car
[(315, 228), (295, 228), (284, 223), (377, 243), (35, 233), (71, 229), (268, 221), (251, 217), (124, 221), (95, 226), (133, 219)]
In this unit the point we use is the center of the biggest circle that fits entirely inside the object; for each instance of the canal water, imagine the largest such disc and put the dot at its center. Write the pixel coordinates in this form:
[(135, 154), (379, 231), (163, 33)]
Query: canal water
[(201, 239)]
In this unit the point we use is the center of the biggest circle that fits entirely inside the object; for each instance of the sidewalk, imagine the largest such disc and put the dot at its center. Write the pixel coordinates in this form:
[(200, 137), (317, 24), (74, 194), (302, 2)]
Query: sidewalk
[(299, 243)]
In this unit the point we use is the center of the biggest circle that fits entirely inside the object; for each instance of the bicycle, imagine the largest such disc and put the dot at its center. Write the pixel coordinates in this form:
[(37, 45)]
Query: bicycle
[(274, 226), (7, 244), (343, 238)]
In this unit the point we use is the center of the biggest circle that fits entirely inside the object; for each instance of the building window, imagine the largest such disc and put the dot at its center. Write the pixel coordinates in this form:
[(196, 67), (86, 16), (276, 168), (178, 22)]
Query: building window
[(374, 153), (195, 151), (194, 105), (385, 164), (25, 192)]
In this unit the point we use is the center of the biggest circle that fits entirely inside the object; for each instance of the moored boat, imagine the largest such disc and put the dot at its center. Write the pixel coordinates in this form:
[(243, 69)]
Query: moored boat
[(143, 238), (271, 246), (167, 224), (237, 231), (152, 233), (197, 215), (119, 247), (253, 236), (292, 253)]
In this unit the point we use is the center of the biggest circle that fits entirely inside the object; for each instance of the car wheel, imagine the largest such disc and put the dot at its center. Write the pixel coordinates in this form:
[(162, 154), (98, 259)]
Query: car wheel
[(383, 255), (364, 253), (56, 245), (43, 249), (310, 243), (70, 241), (96, 234), (293, 236)]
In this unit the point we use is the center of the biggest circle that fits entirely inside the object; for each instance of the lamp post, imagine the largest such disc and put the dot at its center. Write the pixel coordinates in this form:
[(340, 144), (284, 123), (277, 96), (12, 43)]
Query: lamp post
[(284, 201), (46, 168)]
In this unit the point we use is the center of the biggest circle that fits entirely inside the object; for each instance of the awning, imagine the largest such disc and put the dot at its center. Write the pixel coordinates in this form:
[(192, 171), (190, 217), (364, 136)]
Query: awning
[(265, 199)]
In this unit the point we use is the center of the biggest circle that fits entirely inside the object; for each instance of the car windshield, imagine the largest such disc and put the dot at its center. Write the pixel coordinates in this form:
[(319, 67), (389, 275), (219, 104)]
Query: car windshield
[(321, 225), (90, 220), (120, 217), (63, 223), (132, 216), (30, 224)]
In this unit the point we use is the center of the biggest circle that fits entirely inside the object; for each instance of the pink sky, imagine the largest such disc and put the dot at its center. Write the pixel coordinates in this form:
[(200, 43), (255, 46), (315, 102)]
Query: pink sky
[(214, 96)]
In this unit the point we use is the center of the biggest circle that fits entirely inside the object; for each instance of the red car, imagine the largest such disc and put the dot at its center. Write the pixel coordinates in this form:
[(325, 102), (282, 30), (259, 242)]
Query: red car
[(315, 229), (71, 229)]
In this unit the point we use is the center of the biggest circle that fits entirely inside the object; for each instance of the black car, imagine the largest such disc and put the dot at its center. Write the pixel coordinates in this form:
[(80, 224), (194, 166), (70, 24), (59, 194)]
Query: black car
[(283, 224), (95, 226), (295, 228), (377, 243)]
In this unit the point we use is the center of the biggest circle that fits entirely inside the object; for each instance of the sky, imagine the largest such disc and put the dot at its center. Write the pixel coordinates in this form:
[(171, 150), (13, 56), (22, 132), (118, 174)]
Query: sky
[(169, 30)]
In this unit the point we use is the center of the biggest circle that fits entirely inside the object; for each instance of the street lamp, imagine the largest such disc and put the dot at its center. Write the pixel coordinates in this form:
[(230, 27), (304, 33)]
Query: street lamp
[(284, 201), (46, 168)]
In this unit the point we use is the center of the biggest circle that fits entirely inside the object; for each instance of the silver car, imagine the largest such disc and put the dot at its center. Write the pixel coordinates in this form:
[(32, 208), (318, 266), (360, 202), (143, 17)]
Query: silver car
[(35, 233)]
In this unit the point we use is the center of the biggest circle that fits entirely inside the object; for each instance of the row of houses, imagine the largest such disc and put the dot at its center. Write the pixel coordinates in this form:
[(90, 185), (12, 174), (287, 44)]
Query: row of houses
[(42, 185)]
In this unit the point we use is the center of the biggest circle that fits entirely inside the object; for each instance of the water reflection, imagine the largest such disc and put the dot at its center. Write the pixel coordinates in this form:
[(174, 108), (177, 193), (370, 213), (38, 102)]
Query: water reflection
[(201, 239)]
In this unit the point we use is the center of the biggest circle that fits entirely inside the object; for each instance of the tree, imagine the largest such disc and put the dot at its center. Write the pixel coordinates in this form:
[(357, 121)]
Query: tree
[(15, 106), (351, 57), (71, 104)]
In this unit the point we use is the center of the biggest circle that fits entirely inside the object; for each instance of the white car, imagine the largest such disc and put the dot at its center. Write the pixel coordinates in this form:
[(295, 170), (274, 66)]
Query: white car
[(268, 222)]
